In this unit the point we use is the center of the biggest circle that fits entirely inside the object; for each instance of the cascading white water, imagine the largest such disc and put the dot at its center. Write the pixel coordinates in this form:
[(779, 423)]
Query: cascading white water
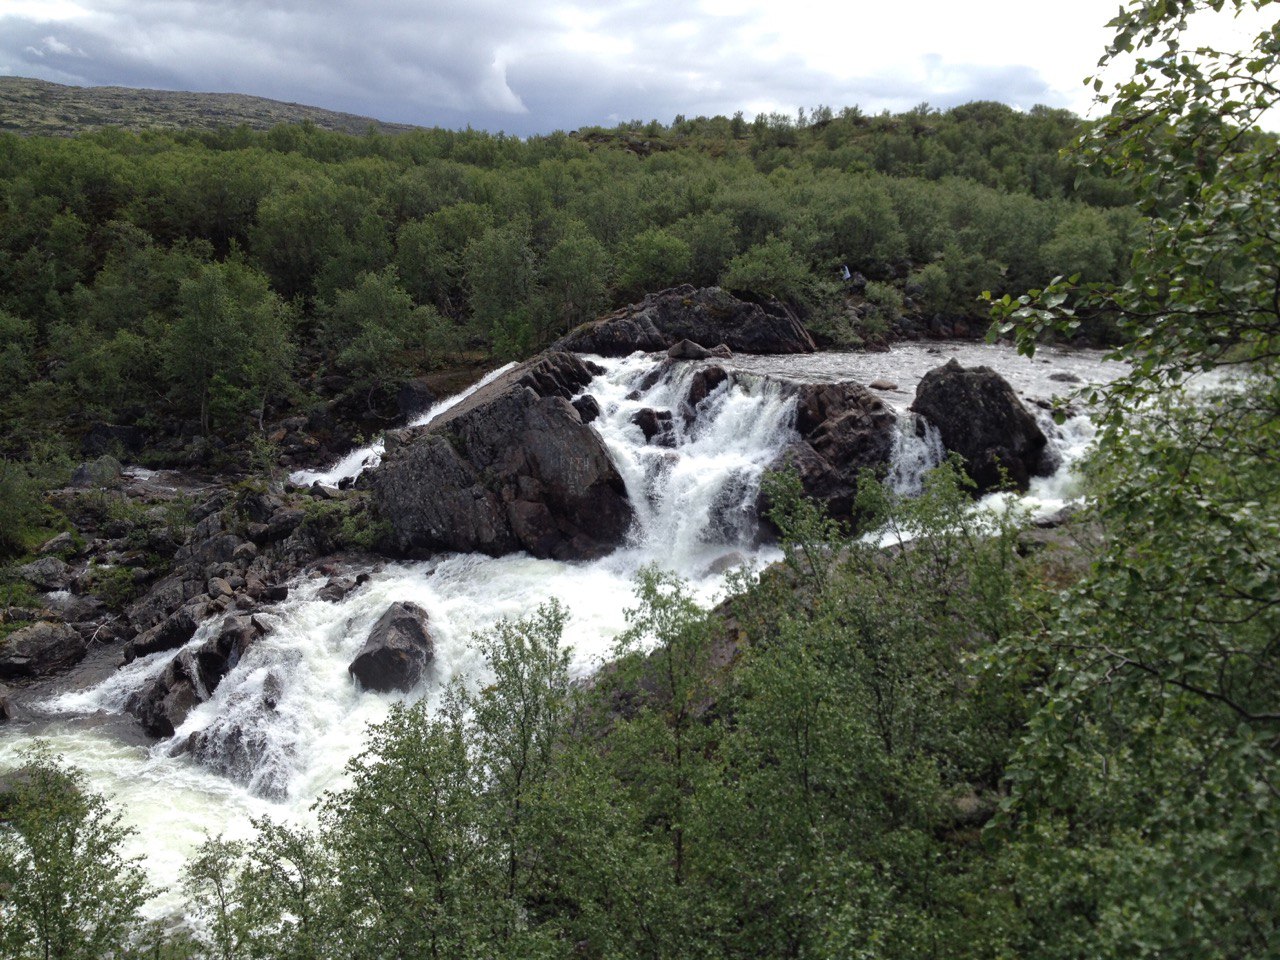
[(279, 729), (917, 449), (366, 458), (694, 490)]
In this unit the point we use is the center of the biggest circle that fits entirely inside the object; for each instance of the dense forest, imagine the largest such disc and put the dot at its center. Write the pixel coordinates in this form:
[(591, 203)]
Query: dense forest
[(200, 277), (984, 742)]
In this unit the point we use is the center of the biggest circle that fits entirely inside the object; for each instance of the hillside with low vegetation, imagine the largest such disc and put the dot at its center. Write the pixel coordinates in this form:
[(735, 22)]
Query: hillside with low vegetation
[(41, 108)]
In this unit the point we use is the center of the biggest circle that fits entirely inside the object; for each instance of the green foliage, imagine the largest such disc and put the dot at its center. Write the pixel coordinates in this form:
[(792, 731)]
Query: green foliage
[(65, 890), (20, 507), (228, 349), (1142, 799), (653, 260), (772, 268)]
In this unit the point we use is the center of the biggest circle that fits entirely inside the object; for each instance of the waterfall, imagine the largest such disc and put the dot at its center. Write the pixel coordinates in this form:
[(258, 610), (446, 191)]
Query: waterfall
[(366, 458), (695, 483), (917, 449), (279, 729)]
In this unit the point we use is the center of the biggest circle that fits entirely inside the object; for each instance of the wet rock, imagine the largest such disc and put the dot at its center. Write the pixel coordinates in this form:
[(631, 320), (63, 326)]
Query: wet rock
[(688, 350), (702, 384), (656, 425), (47, 573), (1065, 376), (844, 428), (191, 677), (882, 385), (398, 648), (512, 467), (708, 317), (979, 416), (170, 633), (6, 706), (41, 650), (337, 589), (414, 397), (587, 406), (239, 744), (103, 472)]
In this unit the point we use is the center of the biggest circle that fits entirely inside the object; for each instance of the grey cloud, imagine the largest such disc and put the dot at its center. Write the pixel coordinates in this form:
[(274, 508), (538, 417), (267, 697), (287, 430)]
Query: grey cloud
[(493, 64)]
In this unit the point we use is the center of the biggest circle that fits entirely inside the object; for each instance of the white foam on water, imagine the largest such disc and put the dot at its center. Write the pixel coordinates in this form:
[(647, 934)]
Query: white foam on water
[(357, 461), (280, 728)]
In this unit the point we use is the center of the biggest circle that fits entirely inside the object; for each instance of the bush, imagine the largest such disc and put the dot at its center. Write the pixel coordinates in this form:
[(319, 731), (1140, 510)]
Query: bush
[(67, 891)]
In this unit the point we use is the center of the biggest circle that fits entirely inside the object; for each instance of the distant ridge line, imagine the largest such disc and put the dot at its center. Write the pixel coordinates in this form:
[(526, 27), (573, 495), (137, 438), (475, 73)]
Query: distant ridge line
[(32, 107)]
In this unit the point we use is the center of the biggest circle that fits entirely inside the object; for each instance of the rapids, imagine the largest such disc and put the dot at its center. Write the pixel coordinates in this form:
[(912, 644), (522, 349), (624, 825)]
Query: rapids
[(287, 718)]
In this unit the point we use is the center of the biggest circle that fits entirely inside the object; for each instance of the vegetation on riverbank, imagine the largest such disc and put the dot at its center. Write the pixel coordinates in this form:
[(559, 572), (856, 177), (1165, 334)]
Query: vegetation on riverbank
[(966, 748)]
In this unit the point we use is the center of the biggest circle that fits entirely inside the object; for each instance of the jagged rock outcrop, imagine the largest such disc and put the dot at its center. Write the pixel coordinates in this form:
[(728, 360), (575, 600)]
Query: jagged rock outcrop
[(40, 650), (843, 429), (707, 317), (191, 677), (979, 416), (513, 467), (397, 650)]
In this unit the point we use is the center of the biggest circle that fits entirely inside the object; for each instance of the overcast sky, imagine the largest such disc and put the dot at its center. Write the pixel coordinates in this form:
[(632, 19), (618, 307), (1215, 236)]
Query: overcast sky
[(533, 66)]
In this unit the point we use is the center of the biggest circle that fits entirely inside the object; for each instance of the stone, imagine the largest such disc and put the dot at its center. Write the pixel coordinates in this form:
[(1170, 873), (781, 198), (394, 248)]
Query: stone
[(63, 543), (47, 573), (708, 317), (157, 603), (399, 646), (414, 397), (587, 406), (170, 633), (106, 471), (844, 428), (218, 587), (979, 416), (512, 467), (41, 650), (882, 385), (688, 350), (656, 425), (6, 705), (283, 522), (701, 386), (191, 677)]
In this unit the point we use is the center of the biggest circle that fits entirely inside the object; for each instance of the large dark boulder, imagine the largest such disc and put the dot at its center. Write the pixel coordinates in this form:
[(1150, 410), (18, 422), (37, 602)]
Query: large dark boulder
[(170, 633), (707, 317), (191, 677), (512, 467), (398, 648), (103, 472), (41, 650), (980, 417), (844, 428)]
